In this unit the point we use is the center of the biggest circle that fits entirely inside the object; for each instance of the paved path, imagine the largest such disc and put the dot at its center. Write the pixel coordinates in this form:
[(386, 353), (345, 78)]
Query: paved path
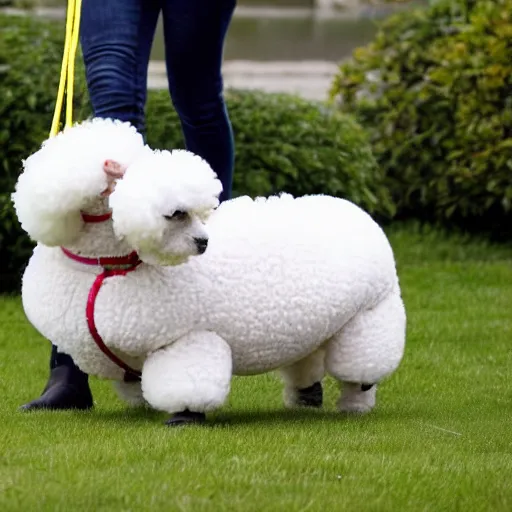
[(309, 79)]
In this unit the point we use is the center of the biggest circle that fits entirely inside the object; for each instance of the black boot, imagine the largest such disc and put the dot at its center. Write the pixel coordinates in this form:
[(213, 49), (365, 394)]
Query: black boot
[(67, 387), (186, 417)]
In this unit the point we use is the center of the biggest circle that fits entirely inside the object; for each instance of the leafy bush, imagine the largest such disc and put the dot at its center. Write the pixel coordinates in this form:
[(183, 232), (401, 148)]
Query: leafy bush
[(434, 89), (283, 143), (30, 60)]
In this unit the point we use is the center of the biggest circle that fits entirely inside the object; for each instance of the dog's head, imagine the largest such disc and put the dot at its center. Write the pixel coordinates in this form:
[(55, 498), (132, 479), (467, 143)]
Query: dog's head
[(160, 205)]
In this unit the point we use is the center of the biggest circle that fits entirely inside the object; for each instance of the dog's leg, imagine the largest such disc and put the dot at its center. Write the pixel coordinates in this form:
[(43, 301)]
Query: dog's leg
[(357, 398), (366, 350), (130, 392), (303, 381), (188, 378)]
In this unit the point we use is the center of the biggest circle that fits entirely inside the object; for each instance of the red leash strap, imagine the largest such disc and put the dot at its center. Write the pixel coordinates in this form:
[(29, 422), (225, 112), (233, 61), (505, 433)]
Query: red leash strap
[(87, 217), (103, 261), (132, 261), (131, 374)]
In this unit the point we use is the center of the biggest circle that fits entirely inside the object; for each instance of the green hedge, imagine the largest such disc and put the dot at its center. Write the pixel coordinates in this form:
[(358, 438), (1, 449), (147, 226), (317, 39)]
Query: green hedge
[(434, 90), (283, 143), (30, 60)]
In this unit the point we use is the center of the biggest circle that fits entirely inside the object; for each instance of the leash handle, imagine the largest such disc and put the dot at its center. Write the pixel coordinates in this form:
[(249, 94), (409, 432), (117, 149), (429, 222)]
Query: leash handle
[(67, 72)]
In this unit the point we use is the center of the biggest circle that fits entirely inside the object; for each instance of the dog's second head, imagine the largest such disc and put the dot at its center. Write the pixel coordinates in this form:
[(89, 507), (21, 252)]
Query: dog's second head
[(68, 174), (160, 205)]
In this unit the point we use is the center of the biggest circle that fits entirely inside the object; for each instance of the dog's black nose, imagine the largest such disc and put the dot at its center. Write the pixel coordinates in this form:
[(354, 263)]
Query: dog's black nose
[(201, 244)]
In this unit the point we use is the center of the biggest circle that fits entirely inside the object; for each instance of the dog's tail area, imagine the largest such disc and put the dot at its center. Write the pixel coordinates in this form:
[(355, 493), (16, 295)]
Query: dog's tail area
[(60, 178)]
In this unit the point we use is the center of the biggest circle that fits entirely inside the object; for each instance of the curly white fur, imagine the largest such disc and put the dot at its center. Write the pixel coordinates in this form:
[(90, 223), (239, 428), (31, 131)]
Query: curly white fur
[(48, 203), (157, 186), (304, 285)]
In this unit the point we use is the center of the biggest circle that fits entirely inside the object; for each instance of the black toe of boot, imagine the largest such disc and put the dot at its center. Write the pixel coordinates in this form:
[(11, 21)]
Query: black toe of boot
[(67, 387), (186, 417)]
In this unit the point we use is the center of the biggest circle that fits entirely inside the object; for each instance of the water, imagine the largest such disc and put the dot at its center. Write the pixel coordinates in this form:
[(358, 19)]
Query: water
[(289, 39), (282, 45), (291, 30)]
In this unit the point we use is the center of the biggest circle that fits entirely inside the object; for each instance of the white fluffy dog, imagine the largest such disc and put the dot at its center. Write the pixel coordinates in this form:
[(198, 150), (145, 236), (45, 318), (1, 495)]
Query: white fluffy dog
[(137, 271)]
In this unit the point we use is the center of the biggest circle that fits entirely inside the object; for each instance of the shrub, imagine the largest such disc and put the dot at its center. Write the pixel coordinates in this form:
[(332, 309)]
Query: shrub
[(30, 60), (434, 91), (283, 143)]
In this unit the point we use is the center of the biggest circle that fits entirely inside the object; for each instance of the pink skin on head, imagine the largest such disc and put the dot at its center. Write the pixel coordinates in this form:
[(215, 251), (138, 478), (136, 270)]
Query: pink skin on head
[(114, 171)]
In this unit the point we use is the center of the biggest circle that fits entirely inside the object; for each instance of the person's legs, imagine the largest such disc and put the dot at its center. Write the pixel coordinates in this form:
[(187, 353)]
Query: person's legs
[(116, 38), (194, 40)]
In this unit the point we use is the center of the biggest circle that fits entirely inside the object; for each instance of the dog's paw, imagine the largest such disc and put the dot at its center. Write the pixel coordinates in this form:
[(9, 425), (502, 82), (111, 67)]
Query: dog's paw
[(357, 398)]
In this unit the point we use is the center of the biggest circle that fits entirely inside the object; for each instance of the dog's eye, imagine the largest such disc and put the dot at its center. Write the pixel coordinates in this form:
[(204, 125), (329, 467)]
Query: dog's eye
[(177, 215)]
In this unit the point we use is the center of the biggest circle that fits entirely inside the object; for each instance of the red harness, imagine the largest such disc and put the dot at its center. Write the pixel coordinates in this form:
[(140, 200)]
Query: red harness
[(127, 264)]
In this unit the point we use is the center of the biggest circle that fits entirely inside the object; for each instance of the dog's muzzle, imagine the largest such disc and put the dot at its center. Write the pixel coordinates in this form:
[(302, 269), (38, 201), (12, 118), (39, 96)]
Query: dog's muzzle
[(201, 244)]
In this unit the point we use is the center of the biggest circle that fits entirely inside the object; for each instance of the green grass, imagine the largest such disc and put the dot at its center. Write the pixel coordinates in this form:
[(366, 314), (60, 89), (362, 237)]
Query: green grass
[(440, 438)]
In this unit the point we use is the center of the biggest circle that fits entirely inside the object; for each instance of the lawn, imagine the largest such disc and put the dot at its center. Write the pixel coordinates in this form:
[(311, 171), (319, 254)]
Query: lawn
[(440, 438)]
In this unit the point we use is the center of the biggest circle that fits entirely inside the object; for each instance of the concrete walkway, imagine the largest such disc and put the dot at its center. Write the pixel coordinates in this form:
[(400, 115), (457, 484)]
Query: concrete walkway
[(309, 79)]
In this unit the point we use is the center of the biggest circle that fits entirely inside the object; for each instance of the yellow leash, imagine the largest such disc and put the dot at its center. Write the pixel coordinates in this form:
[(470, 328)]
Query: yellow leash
[(67, 72)]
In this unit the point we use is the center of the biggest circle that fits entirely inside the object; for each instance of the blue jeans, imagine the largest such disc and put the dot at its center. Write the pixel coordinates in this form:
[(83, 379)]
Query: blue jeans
[(116, 38)]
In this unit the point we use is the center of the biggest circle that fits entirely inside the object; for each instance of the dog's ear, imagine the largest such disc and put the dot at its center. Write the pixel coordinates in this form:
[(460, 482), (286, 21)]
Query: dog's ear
[(114, 171)]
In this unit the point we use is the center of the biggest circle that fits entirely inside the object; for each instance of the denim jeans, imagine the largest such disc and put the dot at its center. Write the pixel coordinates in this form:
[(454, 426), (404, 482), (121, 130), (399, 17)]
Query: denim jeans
[(116, 38)]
